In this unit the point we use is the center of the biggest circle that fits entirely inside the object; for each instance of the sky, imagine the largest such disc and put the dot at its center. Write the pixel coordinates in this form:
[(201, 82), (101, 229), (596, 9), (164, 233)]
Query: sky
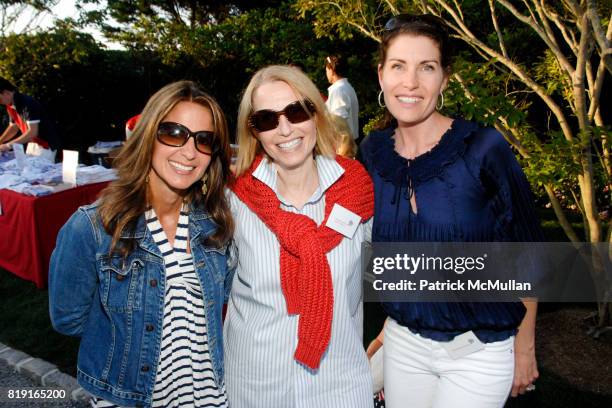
[(64, 9)]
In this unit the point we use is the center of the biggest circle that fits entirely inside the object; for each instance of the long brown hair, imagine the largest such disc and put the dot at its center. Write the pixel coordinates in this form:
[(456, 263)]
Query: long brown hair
[(124, 201)]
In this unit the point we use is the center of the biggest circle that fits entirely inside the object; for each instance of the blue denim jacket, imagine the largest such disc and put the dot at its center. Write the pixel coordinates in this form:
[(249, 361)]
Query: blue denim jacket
[(116, 305)]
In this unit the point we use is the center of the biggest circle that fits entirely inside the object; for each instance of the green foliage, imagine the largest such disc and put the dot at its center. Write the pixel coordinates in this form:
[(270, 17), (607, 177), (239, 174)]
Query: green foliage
[(221, 45), (39, 63), (187, 11), (373, 122), (125, 19), (88, 90), (506, 92), (553, 161), (334, 19), (224, 54), (548, 71), (478, 96), (45, 65)]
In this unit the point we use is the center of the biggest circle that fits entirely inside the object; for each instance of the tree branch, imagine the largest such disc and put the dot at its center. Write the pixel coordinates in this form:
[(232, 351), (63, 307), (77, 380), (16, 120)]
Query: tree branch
[(500, 37), (470, 38), (459, 10), (590, 81), (601, 159), (603, 41), (365, 32), (572, 6), (500, 123), (352, 23), (531, 22), (585, 179), (579, 75), (392, 7), (531, 13), (563, 221), (568, 35), (596, 90), (539, 6), (580, 207)]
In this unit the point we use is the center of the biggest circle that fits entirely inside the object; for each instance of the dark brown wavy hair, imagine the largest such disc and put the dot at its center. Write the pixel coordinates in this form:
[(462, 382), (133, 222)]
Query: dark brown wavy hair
[(426, 25), (125, 200)]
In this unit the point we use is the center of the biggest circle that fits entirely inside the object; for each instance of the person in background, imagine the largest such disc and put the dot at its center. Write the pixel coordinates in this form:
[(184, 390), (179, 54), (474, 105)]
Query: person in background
[(29, 122), (345, 144), (293, 330), (342, 99), (439, 179), (130, 125), (141, 275)]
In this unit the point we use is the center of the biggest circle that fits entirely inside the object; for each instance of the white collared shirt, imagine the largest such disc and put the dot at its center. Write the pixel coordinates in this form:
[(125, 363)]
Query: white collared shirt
[(260, 338), (342, 101)]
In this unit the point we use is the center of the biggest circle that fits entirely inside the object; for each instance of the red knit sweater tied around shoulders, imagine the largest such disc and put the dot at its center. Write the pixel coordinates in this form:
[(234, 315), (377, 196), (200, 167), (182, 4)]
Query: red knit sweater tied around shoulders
[(306, 279)]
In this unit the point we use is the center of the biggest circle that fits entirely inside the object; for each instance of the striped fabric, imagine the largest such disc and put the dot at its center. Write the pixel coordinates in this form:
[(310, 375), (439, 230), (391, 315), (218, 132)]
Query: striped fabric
[(185, 376), (260, 337)]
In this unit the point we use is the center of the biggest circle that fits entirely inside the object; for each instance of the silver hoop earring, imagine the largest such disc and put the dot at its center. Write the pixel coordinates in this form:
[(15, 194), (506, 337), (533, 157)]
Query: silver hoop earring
[(440, 101), (380, 103)]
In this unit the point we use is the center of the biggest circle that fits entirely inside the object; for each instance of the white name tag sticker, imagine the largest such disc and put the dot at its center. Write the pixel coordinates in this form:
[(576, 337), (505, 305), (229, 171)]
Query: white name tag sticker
[(343, 221), (462, 345)]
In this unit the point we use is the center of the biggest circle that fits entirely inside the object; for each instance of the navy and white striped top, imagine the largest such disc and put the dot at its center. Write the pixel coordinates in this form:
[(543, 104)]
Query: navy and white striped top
[(185, 375), (260, 337)]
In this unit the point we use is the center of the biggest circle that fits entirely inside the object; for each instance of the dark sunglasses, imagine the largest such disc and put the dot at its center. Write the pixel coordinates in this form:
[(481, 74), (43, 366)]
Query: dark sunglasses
[(296, 112), (176, 135), (400, 20)]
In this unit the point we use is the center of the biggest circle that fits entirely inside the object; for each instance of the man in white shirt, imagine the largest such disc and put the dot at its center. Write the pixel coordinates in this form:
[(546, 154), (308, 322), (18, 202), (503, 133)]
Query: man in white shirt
[(342, 99)]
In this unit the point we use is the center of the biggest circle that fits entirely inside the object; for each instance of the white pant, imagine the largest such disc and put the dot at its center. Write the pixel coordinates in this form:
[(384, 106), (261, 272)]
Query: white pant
[(419, 373)]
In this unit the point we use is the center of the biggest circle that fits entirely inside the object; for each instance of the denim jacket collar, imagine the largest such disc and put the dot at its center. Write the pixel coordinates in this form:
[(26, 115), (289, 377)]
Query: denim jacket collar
[(145, 240)]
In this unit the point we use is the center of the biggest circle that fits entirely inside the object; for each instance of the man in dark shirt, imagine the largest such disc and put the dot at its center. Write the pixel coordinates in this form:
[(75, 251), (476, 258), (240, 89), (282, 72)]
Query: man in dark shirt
[(28, 121)]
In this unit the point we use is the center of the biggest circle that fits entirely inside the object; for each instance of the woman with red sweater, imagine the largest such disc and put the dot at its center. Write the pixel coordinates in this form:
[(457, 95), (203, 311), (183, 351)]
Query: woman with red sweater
[(293, 330)]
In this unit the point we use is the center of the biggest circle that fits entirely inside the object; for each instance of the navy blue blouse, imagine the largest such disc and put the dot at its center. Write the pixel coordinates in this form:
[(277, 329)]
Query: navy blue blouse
[(468, 188)]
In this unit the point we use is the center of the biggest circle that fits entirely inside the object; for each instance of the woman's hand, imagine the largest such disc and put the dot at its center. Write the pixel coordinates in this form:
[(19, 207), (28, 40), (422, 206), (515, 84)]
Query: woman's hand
[(374, 346), (525, 364), (376, 343)]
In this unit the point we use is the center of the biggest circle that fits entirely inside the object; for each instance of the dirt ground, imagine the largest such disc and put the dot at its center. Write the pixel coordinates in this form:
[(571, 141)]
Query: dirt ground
[(564, 349)]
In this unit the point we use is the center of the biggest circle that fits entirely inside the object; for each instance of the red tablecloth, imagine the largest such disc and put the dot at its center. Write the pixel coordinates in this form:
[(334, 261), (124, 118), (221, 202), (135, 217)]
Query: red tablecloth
[(29, 227)]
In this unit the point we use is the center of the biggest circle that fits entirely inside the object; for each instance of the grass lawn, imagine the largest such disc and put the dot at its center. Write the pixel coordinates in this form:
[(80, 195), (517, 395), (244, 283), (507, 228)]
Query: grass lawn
[(25, 323)]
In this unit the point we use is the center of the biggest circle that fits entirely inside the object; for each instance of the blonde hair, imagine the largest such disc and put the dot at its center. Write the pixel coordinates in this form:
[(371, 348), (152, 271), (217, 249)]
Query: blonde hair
[(302, 86), (125, 200), (345, 145)]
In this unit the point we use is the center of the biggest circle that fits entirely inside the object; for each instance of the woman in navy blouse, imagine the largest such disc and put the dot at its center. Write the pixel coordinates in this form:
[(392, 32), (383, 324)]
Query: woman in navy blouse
[(441, 179)]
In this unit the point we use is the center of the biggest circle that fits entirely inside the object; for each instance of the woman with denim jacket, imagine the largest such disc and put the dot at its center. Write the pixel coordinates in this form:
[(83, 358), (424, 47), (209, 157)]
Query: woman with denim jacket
[(141, 275)]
